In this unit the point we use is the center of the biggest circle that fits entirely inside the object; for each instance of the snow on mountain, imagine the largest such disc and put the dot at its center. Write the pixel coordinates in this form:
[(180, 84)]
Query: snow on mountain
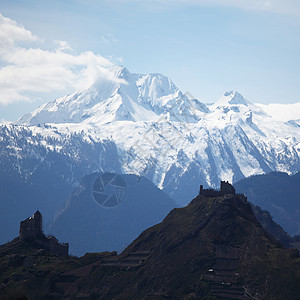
[(39, 168), (125, 97), (231, 98), (282, 112), (175, 141), (233, 108)]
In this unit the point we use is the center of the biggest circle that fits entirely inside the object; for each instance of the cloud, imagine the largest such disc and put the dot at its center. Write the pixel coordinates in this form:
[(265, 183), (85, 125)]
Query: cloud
[(26, 70), (63, 45), (108, 39), (11, 32)]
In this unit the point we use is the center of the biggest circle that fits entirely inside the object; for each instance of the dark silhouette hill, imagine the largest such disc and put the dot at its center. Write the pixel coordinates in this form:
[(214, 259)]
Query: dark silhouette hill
[(214, 248), (219, 234), (279, 194)]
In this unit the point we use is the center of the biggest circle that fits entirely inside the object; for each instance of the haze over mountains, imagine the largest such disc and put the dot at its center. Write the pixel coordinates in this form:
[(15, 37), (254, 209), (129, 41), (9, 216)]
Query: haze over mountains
[(144, 125), (124, 185), (89, 226), (163, 134), (277, 193)]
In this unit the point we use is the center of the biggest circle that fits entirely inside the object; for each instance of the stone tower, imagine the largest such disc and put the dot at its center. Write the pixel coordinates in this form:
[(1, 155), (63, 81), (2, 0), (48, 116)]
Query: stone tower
[(31, 228), (227, 188), (38, 223)]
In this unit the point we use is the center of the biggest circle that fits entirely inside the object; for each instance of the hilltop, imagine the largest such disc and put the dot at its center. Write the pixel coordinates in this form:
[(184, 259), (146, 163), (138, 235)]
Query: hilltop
[(212, 248)]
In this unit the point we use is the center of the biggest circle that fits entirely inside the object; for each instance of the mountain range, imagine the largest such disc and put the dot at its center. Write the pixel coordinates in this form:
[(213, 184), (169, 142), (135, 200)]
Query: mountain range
[(138, 124), (92, 222)]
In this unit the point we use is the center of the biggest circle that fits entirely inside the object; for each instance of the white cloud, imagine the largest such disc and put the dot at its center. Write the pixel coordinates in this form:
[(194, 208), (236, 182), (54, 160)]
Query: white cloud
[(31, 69), (282, 112), (11, 32)]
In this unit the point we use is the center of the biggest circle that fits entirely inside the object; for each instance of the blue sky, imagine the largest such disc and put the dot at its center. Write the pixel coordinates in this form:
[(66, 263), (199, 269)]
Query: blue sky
[(205, 47)]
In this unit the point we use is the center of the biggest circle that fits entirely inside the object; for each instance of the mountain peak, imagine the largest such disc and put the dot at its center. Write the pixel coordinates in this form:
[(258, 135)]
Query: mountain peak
[(235, 97), (120, 72), (231, 98), (120, 96)]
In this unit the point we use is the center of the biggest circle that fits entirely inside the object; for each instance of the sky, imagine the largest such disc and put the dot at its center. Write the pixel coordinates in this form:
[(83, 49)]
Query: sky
[(51, 48)]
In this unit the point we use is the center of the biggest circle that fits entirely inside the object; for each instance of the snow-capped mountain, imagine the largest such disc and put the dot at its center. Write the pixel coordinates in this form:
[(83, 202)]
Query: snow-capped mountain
[(125, 97), (175, 141)]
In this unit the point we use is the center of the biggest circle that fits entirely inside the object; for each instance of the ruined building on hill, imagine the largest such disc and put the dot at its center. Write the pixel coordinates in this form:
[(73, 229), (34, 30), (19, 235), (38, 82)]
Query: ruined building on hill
[(225, 189), (31, 230)]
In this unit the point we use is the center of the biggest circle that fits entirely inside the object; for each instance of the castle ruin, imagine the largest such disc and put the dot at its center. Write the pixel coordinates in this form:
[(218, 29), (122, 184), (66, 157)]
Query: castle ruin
[(225, 189), (31, 230)]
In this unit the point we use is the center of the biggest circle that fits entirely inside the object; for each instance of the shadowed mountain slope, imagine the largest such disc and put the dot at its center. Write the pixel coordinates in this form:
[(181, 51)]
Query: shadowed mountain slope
[(212, 249), (267, 222), (277, 193), (109, 216)]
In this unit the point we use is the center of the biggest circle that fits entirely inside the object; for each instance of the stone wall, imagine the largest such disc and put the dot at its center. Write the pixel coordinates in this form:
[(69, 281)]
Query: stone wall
[(225, 188)]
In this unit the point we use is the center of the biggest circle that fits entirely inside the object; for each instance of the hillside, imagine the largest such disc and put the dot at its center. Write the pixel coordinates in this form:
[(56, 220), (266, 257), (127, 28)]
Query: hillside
[(212, 249), (112, 226), (267, 222)]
